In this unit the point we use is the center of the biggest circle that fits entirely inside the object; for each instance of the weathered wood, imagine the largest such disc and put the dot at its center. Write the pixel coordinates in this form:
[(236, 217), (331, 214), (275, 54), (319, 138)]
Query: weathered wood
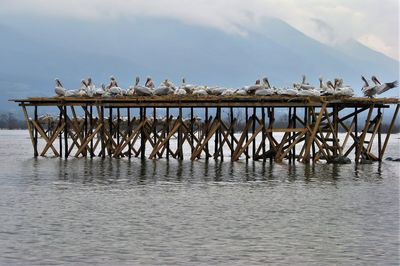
[(392, 123)]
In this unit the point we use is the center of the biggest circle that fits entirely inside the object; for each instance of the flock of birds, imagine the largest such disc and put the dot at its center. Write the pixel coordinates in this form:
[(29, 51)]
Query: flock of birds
[(260, 88)]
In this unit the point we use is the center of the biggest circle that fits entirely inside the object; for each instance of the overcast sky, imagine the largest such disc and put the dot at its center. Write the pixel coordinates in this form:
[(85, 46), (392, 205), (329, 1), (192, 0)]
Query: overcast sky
[(372, 22)]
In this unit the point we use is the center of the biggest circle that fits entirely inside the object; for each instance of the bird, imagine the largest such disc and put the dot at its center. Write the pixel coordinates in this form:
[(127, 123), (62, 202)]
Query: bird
[(90, 90), (341, 90), (143, 91), (113, 87), (149, 83), (385, 86), (166, 87), (253, 88), (303, 85), (369, 90), (59, 89)]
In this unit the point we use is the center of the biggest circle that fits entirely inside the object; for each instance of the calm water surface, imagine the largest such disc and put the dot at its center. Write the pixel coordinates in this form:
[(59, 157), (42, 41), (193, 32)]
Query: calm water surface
[(121, 212)]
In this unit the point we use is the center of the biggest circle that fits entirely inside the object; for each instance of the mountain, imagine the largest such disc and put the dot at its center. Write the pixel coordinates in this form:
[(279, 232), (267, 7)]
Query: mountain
[(34, 53)]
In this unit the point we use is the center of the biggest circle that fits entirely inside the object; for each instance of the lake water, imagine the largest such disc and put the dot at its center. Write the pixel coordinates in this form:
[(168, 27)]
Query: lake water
[(121, 212)]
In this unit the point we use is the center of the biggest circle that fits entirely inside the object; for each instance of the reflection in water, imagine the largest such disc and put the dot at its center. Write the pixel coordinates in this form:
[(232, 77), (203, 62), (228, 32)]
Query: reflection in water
[(145, 171)]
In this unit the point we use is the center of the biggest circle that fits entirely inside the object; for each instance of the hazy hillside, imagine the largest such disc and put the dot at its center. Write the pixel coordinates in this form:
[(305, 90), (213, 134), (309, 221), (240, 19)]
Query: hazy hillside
[(33, 54)]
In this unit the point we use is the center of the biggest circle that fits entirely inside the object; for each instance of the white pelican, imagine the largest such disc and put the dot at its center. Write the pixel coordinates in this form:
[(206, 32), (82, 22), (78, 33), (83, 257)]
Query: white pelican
[(143, 91), (228, 92), (149, 83), (189, 88), (369, 90), (241, 92), (199, 91), (59, 89), (165, 88), (252, 89), (385, 86), (341, 90), (113, 88), (180, 92)]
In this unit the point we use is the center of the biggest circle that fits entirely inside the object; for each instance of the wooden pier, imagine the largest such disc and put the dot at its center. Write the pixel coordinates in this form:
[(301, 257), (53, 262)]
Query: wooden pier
[(132, 127)]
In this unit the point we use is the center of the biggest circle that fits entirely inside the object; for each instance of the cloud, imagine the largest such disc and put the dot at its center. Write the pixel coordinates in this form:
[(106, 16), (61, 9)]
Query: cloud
[(326, 21)]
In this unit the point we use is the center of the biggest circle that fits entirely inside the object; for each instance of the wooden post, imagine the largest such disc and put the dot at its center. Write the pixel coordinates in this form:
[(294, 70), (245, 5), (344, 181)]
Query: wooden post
[(91, 130), (232, 132), (118, 124), (205, 133), (390, 129), (35, 145), (295, 126), (167, 131), (155, 125), (380, 136), (253, 131), (60, 117), (247, 134), (217, 116), (142, 134), (180, 144), (102, 135), (290, 133), (356, 131), (128, 110), (110, 128), (65, 133), (191, 130)]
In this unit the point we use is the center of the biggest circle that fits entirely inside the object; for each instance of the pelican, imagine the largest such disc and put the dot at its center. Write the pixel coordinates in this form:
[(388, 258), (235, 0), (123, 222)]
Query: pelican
[(189, 88), (369, 90), (199, 91), (165, 88), (216, 90), (266, 90), (288, 91), (149, 83), (228, 92), (303, 85), (253, 88), (90, 90), (113, 88), (385, 86), (241, 92), (341, 90), (143, 91), (59, 89)]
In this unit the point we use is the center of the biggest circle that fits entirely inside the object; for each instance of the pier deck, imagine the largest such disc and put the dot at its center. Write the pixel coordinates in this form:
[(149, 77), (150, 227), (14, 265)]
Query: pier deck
[(128, 126)]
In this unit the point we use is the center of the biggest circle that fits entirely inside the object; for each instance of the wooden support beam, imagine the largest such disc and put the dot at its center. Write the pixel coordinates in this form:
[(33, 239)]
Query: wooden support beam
[(30, 130), (311, 138), (392, 123), (360, 143)]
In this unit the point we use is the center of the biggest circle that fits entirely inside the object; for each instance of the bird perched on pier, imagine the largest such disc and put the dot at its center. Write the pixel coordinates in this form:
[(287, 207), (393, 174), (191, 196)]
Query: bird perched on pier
[(149, 83), (304, 85), (381, 88), (342, 90), (166, 87), (82, 91), (113, 87), (59, 89), (266, 89), (253, 88), (90, 90), (143, 91)]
